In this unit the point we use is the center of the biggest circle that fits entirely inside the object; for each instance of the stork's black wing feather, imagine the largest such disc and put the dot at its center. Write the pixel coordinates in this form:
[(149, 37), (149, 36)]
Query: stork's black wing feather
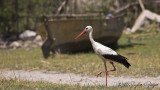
[(117, 58)]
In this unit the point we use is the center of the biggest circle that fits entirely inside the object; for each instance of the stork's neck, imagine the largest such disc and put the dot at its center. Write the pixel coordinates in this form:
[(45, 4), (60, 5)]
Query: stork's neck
[(90, 36)]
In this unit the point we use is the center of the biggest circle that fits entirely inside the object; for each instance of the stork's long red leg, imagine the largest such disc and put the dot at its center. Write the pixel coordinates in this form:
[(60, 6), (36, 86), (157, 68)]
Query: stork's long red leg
[(114, 68), (106, 71)]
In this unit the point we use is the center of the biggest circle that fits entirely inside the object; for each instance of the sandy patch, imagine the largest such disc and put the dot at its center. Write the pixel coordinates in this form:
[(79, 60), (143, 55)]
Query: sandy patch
[(69, 78)]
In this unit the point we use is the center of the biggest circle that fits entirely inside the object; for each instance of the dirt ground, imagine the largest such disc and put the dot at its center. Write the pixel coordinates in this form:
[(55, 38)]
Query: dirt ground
[(69, 78)]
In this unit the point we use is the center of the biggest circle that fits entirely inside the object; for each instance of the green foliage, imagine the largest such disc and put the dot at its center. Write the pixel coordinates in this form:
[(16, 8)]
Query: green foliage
[(7, 15), (152, 27), (25, 8), (15, 84), (144, 59)]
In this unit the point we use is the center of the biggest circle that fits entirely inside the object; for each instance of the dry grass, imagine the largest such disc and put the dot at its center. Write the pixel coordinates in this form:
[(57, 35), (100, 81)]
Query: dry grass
[(144, 59), (15, 84)]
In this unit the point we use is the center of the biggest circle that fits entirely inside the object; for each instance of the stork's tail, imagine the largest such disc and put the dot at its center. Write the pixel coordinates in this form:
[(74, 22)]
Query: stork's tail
[(118, 58), (123, 60)]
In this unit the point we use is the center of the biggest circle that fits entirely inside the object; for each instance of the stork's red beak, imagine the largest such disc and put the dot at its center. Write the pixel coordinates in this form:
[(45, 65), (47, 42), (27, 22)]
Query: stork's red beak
[(83, 32)]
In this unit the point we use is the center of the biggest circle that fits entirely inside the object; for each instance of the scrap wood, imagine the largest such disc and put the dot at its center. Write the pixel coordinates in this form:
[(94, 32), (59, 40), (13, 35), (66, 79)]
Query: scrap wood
[(144, 14), (144, 34), (135, 43), (61, 7), (141, 4), (134, 37), (140, 20), (125, 7)]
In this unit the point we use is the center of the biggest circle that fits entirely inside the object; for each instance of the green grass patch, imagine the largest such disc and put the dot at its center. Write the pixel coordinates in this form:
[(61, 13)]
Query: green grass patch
[(144, 59), (15, 84)]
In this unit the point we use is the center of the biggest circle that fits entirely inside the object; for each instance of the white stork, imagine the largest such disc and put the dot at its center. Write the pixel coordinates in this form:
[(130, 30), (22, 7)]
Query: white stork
[(105, 53)]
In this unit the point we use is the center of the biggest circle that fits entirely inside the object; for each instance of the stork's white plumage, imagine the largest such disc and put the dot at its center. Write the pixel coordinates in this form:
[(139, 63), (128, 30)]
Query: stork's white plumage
[(105, 53)]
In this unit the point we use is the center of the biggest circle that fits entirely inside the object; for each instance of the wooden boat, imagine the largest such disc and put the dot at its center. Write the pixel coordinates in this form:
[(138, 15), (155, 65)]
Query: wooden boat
[(58, 35)]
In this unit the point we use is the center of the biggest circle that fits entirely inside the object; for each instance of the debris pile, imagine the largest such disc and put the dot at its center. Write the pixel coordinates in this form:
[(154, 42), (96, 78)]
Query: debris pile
[(26, 39)]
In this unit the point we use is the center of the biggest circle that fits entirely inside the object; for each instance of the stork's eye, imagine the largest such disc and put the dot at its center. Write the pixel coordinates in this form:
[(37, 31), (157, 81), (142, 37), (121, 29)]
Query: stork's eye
[(86, 28)]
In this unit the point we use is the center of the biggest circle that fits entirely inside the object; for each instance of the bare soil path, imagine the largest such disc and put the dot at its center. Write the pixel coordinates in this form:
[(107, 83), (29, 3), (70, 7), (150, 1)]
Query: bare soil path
[(61, 78)]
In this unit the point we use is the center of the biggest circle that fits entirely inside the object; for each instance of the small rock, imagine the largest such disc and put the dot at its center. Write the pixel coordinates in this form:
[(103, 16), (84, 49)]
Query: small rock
[(3, 46), (38, 40), (127, 31), (27, 35), (15, 45), (27, 44)]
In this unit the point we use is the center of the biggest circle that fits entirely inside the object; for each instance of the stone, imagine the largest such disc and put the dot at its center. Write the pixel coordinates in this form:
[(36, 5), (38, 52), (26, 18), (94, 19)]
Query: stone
[(15, 45), (27, 35), (38, 40)]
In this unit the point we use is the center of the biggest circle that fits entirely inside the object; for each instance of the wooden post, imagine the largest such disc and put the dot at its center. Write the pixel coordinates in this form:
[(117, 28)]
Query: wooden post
[(16, 9), (75, 6), (141, 4), (48, 43), (61, 7)]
